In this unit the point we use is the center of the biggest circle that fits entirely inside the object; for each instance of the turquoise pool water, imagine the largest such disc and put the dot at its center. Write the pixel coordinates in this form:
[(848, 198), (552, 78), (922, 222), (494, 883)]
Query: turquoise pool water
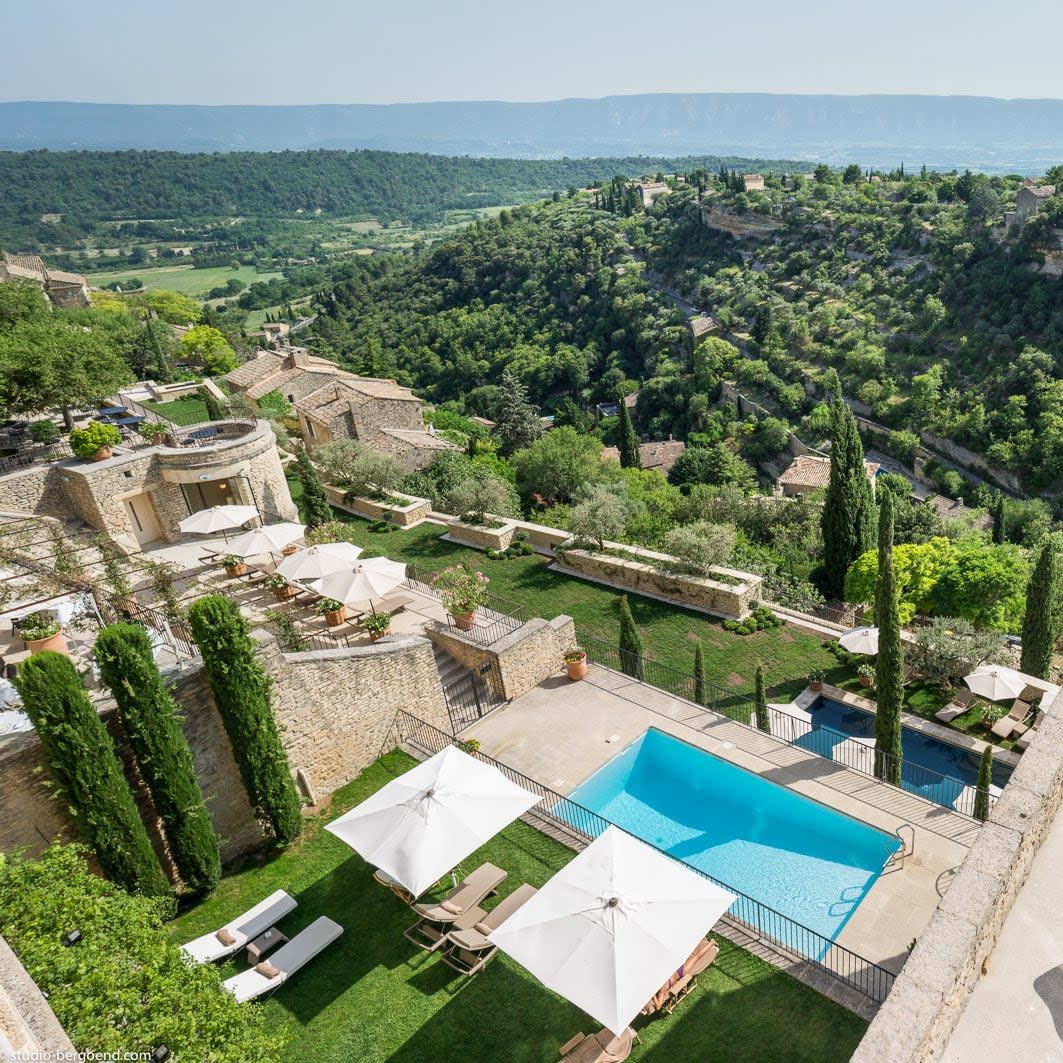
[(793, 854)]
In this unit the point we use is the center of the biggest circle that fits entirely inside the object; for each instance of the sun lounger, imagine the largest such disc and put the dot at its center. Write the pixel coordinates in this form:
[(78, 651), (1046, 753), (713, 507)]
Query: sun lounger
[(1015, 719), (684, 980), (394, 604), (468, 948), (463, 898), (960, 703), (289, 958), (1022, 743), (432, 936), (394, 885), (603, 1047), (239, 931)]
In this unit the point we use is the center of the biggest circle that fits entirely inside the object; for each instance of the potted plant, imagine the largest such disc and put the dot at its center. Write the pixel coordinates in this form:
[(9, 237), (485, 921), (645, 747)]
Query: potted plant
[(42, 631), (281, 588), (333, 611), (866, 674), (576, 663), (95, 441), (469, 745), (463, 591), (992, 715), (815, 679), (377, 624), (233, 565), (155, 432)]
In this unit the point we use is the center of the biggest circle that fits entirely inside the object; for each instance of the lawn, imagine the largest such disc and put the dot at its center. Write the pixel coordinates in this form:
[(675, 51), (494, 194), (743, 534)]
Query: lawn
[(183, 279), (189, 410), (373, 996)]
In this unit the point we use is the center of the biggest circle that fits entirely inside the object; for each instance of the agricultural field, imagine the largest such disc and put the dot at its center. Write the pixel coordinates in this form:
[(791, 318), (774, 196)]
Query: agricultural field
[(184, 279)]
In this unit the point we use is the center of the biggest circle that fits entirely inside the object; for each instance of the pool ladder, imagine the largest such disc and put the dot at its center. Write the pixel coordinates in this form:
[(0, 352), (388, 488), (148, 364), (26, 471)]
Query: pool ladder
[(895, 858)]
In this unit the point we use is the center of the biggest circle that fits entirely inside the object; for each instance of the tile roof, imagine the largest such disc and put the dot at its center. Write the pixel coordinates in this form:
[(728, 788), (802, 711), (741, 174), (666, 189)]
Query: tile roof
[(702, 324), (419, 440), (810, 470), (33, 263), (661, 455)]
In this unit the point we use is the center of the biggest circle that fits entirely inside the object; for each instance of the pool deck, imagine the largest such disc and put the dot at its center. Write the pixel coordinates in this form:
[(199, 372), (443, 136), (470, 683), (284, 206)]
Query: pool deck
[(562, 732)]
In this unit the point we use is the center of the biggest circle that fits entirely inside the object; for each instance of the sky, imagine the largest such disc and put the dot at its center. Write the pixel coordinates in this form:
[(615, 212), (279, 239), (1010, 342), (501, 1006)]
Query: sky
[(354, 51)]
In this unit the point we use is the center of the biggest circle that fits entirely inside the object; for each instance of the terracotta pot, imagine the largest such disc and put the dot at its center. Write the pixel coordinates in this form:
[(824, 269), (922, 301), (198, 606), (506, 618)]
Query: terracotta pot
[(815, 686), (336, 616), (289, 550), (103, 454), (283, 593), (56, 642), (866, 680), (577, 669), (464, 621), (380, 635), (236, 570)]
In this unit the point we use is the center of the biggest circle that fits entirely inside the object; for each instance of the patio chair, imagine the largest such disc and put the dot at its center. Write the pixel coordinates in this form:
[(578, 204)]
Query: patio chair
[(603, 1047), (396, 603), (960, 703), (686, 978), (468, 949), (1014, 721), (394, 885), (236, 933), (1022, 743), (431, 936), (269, 976), (468, 893)]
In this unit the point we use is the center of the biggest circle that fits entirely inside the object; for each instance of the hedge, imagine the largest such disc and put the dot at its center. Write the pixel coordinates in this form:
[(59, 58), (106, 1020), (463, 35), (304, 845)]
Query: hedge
[(242, 694), (123, 987), (149, 715), (90, 777)]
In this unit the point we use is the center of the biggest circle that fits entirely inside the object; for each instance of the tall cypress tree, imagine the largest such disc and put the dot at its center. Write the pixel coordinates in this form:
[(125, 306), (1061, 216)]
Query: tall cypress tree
[(981, 790), (699, 673), (996, 508), (517, 422), (1039, 631), (630, 643), (849, 508), (316, 508), (760, 702), (242, 694), (889, 667), (630, 458), (149, 716), (84, 762)]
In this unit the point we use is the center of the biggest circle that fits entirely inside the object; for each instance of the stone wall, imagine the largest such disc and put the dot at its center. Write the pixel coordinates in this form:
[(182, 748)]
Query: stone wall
[(740, 226), (406, 516), (35, 490), (28, 1026), (479, 537), (917, 1019), (702, 593)]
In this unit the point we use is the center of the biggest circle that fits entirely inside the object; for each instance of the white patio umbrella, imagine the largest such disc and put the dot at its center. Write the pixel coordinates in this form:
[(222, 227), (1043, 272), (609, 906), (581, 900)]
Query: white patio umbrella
[(860, 640), (216, 519), (428, 820), (996, 682), (612, 926), (270, 539), (367, 578), (317, 561)]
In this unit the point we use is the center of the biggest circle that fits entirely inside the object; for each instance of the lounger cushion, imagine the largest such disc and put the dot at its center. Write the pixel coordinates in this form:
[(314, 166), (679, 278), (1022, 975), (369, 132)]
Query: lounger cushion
[(454, 909), (225, 937), (483, 928), (267, 969)]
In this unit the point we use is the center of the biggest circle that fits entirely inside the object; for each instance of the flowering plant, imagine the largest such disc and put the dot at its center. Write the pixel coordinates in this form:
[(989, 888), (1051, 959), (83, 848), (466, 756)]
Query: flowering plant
[(462, 589)]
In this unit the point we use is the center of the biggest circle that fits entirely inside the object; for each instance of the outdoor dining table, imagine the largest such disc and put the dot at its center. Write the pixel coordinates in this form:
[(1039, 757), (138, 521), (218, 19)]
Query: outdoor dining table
[(133, 419), (112, 411)]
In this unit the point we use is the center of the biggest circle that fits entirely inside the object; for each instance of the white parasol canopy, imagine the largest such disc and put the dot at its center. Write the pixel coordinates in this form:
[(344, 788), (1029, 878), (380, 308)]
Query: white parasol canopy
[(860, 640), (367, 578), (270, 539), (428, 820), (317, 561), (612, 926), (996, 682), (216, 519)]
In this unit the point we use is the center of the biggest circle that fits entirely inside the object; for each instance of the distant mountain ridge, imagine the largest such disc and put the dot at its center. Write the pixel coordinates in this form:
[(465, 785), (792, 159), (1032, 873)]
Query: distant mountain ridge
[(941, 131)]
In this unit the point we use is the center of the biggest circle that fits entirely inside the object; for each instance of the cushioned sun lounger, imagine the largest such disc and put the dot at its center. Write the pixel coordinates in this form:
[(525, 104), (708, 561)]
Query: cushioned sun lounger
[(468, 948), (1015, 719), (603, 1047), (289, 958), (685, 979), (468, 893), (239, 931), (430, 936), (959, 704)]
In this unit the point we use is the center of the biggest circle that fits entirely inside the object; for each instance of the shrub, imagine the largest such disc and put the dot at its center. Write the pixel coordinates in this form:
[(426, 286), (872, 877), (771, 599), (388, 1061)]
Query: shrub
[(274, 404), (315, 503), (44, 431), (384, 525), (699, 546), (600, 516), (86, 442), (630, 642), (476, 496), (149, 716), (242, 694), (86, 767), (124, 983)]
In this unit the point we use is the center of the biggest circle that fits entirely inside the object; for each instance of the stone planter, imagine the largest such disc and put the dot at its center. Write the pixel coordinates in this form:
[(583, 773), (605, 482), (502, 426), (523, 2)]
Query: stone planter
[(56, 643), (479, 537), (577, 670), (412, 512), (464, 621), (233, 571)]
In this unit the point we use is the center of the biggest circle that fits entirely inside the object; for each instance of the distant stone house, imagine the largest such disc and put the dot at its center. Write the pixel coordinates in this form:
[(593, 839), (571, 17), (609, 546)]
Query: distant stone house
[(954, 509), (1029, 200), (701, 325), (332, 404), (650, 190), (659, 456), (810, 472), (753, 182), (68, 290)]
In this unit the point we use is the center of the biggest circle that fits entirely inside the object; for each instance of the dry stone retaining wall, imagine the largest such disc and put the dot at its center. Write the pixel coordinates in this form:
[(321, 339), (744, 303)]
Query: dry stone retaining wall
[(479, 537), (414, 512)]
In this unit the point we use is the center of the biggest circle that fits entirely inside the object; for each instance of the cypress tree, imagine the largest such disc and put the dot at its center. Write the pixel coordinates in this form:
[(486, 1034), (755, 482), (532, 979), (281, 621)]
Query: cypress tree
[(630, 458), (848, 510), (981, 791), (216, 409), (316, 508), (149, 715), (630, 643), (997, 510), (1039, 621), (889, 666), (699, 674), (760, 703), (517, 422), (242, 694), (86, 766)]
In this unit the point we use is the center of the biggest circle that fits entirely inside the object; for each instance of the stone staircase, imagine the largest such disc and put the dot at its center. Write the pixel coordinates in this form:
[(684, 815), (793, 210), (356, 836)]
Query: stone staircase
[(469, 695)]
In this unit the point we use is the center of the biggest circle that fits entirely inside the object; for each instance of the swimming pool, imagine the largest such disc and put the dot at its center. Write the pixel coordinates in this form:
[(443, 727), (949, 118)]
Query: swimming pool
[(950, 770), (799, 857)]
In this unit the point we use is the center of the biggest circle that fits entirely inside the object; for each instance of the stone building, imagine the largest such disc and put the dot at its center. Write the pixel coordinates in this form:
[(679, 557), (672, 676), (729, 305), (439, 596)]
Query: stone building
[(68, 290), (138, 496), (659, 456), (1029, 200), (809, 472), (332, 404), (649, 190), (753, 182)]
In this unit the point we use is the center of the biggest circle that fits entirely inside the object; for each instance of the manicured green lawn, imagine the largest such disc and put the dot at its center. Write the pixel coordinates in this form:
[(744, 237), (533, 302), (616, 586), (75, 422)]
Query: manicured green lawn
[(373, 997), (189, 410)]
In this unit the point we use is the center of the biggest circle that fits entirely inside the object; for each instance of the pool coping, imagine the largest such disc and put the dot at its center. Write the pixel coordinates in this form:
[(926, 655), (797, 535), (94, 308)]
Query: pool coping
[(915, 723)]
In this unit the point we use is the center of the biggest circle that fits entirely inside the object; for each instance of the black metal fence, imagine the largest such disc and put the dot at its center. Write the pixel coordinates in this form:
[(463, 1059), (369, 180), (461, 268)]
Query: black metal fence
[(494, 620), (579, 825)]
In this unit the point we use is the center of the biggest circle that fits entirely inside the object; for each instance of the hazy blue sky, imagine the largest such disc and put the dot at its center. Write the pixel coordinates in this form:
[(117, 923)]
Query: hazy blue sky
[(331, 51)]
